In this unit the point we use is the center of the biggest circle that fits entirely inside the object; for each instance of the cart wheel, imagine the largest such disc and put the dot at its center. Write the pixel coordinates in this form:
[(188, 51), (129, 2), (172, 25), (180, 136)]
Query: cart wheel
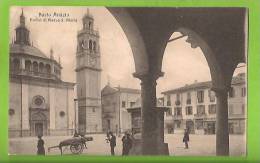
[(76, 148)]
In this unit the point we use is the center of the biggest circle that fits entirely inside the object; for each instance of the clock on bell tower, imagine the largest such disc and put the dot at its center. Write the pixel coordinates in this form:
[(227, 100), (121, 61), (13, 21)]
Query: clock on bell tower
[(88, 71)]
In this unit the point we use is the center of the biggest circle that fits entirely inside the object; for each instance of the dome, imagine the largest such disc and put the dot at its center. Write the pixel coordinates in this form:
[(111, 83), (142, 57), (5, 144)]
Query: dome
[(26, 49)]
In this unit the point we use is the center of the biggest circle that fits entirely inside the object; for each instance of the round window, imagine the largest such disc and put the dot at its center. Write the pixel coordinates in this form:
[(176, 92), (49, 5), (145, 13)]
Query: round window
[(11, 112), (62, 113), (38, 101)]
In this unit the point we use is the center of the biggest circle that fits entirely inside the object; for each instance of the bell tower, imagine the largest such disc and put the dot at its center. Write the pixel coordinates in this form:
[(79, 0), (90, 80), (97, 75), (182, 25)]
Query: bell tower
[(88, 71)]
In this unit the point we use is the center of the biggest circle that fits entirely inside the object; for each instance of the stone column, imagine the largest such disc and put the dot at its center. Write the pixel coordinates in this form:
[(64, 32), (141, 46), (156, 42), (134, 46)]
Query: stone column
[(149, 131), (222, 133)]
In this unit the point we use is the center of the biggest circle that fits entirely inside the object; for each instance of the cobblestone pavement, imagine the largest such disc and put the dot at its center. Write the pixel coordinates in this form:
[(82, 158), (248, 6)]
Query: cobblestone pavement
[(199, 145)]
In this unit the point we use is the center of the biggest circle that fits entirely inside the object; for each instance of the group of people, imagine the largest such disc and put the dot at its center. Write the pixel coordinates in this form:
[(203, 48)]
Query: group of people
[(111, 139), (126, 140)]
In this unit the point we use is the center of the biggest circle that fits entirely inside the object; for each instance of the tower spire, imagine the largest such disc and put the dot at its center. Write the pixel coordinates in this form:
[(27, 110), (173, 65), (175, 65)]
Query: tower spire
[(88, 20), (22, 19)]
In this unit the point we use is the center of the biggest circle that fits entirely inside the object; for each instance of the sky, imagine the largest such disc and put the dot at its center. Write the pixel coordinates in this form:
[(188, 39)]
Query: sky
[(181, 63)]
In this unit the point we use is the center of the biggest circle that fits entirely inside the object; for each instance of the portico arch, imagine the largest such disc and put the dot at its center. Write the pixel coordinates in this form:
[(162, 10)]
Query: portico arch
[(134, 37), (148, 31)]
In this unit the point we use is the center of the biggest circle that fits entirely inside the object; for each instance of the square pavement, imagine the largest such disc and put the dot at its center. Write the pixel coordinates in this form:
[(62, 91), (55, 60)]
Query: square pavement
[(199, 145)]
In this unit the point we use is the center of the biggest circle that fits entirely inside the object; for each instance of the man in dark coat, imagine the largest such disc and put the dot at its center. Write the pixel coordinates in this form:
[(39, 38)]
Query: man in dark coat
[(186, 138), (127, 144), (112, 140), (40, 146)]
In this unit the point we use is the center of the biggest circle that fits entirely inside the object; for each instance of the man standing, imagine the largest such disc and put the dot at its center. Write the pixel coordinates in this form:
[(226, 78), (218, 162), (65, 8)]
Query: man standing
[(40, 146), (127, 144), (112, 140), (186, 138)]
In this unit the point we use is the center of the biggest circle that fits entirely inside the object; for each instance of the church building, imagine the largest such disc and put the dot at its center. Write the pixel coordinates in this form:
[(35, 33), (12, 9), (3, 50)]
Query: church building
[(40, 103)]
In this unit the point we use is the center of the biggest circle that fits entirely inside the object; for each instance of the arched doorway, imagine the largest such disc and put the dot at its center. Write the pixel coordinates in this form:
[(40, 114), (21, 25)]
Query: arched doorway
[(38, 124), (39, 116)]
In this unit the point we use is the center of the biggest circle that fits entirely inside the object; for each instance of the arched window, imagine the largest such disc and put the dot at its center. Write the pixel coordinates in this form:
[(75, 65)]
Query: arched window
[(16, 64), (35, 67), (90, 44), (89, 25), (28, 65), (41, 67), (81, 45), (48, 68), (94, 46)]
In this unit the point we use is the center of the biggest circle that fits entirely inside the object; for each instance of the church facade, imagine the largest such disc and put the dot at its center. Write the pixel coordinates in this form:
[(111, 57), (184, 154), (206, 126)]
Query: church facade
[(40, 103), (88, 77)]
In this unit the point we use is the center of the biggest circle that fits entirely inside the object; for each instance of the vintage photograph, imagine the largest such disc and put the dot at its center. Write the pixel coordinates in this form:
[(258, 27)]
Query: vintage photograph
[(127, 81)]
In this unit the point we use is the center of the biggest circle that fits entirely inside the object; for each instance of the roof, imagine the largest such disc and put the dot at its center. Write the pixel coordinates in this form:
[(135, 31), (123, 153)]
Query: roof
[(199, 85), (110, 90), (239, 79), (128, 90), (25, 49)]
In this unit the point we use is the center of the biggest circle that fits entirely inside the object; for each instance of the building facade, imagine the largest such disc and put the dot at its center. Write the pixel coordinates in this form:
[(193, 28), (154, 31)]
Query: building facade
[(115, 101), (88, 71), (40, 103), (193, 107)]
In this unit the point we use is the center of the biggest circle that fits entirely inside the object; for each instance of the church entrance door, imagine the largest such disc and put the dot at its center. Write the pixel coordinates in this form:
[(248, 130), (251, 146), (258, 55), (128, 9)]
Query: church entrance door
[(39, 125), (39, 128)]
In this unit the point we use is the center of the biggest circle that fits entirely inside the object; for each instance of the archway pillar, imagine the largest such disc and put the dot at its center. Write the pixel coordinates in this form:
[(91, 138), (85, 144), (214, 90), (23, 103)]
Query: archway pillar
[(222, 131), (151, 139)]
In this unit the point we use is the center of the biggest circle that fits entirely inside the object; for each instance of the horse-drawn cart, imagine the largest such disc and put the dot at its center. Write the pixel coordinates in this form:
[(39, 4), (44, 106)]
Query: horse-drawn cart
[(76, 144)]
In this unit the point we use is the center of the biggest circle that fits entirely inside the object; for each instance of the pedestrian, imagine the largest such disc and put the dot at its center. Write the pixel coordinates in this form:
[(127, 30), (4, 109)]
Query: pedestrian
[(112, 140), (186, 138), (40, 146), (127, 144)]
